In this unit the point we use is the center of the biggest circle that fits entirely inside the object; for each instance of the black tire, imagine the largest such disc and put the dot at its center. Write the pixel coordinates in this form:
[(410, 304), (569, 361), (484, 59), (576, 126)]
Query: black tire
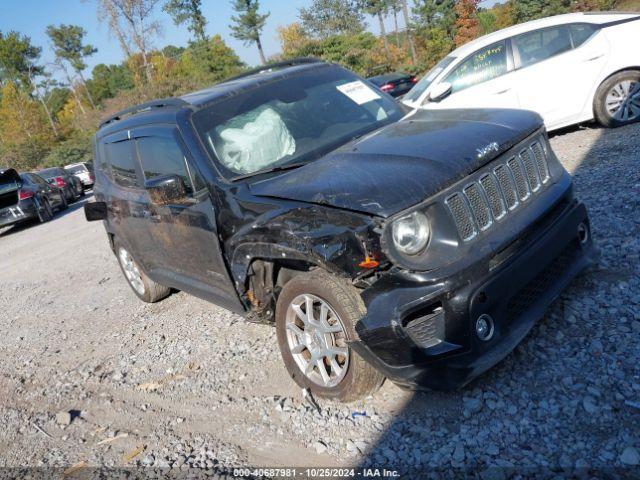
[(45, 212), (69, 194), (360, 379), (602, 114), (63, 202), (153, 292)]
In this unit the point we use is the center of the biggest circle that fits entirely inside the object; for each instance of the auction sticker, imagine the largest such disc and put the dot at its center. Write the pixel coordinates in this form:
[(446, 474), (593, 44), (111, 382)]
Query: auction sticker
[(358, 92)]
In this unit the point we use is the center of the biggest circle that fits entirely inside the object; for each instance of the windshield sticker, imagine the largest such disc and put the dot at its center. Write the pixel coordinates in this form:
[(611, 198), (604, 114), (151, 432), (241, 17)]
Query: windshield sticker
[(358, 92)]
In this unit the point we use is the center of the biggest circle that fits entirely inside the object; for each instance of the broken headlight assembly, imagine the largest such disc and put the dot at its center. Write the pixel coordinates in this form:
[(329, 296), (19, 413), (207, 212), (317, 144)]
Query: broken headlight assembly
[(411, 233)]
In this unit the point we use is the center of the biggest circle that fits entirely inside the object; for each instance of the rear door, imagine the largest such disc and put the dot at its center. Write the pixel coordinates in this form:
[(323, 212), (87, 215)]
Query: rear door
[(482, 80), (124, 193), (556, 68), (182, 241)]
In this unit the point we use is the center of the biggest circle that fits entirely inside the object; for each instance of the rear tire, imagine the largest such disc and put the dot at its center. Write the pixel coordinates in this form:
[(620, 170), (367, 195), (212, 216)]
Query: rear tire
[(63, 202), (617, 101), (146, 289), (45, 212), (311, 345)]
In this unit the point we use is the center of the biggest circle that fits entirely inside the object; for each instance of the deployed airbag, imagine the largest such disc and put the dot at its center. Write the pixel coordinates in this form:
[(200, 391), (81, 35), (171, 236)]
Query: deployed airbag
[(253, 141)]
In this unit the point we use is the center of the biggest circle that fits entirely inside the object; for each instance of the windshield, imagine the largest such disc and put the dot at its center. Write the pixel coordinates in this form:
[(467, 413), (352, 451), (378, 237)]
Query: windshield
[(76, 169), (424, 83), (292, 120)]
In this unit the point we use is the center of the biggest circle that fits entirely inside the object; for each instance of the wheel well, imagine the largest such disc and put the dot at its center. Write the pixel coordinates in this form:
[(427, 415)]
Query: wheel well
[(265, 280), (595, 96)]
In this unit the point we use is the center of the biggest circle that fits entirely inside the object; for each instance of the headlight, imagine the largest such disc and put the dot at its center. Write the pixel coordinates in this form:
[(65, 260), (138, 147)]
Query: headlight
[(411, 233)]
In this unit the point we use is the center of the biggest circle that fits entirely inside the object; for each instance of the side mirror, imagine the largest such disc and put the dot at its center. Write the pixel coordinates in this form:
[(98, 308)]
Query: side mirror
[(440, 91), (95, 211), (166, 189)]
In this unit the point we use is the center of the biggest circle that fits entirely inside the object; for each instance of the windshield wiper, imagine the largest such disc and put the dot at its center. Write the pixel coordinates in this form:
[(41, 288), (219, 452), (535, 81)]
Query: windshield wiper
[(279, 168)]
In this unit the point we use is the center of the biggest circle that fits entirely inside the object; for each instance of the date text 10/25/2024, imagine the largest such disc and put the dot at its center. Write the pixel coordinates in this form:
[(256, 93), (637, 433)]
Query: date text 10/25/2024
[(320, 472)]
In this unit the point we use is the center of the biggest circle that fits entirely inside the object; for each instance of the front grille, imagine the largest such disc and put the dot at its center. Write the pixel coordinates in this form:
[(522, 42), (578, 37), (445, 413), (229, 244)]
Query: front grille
[(494, 194)]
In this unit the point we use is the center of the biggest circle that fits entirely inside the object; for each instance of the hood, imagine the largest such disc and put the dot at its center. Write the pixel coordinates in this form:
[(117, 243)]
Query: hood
[(404, 163)]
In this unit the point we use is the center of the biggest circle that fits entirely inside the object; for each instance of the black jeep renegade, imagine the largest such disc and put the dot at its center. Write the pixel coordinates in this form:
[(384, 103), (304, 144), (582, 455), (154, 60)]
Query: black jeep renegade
[(415, 246)]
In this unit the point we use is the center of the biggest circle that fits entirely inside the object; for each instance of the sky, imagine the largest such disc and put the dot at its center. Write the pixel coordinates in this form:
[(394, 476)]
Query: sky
[(31, 17)]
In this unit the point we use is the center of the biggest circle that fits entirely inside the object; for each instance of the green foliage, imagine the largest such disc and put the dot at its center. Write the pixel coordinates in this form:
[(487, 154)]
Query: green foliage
[(188, 11), (76, 148), (326, 18), (107, 80), (56, 99), (67, 45), (488, 21), (248, 24), (435, 14), (525, 10), (18, 58), (352, 51), (210, 61)]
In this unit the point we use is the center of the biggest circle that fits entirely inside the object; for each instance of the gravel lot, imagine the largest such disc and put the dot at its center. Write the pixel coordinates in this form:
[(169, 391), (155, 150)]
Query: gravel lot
[(184, 383)]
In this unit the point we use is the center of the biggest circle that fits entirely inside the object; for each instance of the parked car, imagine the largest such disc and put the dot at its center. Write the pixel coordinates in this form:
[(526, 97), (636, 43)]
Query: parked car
[(84, 172), (70, 184), (569, 68), (395, 84), (420, 248), (26, 196)]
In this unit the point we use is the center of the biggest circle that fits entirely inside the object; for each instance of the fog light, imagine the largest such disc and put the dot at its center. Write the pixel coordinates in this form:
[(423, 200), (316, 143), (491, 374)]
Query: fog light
[(583, 233), (484, 327)]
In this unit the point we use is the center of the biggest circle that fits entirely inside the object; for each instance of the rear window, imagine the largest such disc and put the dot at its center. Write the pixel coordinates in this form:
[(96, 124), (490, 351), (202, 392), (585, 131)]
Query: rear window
[(51, 172), (120, 157), (76, 169)]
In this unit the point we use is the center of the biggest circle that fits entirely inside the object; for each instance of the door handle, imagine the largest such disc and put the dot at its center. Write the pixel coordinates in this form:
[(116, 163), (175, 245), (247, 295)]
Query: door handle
[(501, 92)]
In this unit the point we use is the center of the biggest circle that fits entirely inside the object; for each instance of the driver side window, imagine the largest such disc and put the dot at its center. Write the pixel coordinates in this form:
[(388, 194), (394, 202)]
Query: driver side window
[(481, 66)]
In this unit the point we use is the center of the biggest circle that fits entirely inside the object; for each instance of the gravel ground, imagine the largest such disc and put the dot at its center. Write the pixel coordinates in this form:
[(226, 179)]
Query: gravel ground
[(91, 376)]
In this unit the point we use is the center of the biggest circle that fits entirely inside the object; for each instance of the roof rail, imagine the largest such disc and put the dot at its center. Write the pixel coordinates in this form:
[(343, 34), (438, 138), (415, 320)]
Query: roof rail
[(143, 107), (274, 66)]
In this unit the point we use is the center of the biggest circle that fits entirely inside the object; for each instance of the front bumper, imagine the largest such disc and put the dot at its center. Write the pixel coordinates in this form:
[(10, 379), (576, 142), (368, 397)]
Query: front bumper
[(23, 210), (420, 329)]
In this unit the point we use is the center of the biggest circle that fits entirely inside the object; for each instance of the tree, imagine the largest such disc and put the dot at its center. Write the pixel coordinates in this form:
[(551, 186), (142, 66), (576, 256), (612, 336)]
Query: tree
[(525, 10), (438, 14), (68, 46), (487, 21), (292, 38), (107, 80), (18, 58), (407, 22), (24, 134), (210, 61), (467, 25), (378, 8), (132, 22), (248, 24), (190, 11), (325, 18)]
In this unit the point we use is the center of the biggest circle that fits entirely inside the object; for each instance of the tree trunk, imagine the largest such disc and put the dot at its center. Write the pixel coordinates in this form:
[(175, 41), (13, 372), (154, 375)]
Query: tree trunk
[(260, 51), (383, 33), (412, 47), (86, 89), (73, 90), (395, 26), (48, 112)]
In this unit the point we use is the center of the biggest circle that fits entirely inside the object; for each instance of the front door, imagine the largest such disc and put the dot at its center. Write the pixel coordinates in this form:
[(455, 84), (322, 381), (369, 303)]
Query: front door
[(183, 246), (483, 80)]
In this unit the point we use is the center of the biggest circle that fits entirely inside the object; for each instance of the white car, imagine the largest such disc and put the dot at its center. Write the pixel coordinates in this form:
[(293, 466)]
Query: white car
[(82, 170), (569, 68)]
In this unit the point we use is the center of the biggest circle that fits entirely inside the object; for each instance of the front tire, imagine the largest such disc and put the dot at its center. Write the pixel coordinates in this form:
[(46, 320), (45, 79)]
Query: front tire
[(146, 289), (315, 318), (617, 101)]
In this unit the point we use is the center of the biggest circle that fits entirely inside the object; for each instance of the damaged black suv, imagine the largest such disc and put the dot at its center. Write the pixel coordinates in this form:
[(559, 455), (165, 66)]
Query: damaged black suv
[(415, 246)]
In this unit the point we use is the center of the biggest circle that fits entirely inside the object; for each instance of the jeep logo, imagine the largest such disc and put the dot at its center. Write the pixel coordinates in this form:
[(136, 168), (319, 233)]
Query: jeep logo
[(487, 149)]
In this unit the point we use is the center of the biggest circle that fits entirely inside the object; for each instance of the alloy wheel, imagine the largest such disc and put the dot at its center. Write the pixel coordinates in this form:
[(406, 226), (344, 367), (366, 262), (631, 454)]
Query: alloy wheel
[(317, 340), (131, 271), (623, 101)]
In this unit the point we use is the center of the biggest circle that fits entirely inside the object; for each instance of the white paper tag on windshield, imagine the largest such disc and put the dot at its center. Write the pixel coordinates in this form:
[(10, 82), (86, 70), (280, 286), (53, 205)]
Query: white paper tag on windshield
[(358, 92)]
